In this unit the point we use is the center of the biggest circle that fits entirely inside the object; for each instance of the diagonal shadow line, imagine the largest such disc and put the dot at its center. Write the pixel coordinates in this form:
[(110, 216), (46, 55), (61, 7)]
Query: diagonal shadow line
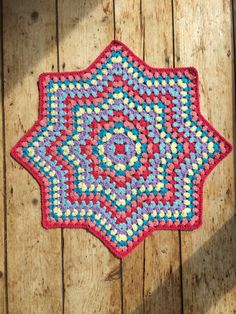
[(209, 284), (34, 19), (223, 279)]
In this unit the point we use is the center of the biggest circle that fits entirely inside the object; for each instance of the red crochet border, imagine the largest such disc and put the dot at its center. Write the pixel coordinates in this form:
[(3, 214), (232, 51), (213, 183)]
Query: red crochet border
[(83, 225)]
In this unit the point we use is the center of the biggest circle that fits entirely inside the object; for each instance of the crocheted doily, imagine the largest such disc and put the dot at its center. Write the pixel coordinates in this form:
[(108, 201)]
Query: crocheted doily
[(121, 149)]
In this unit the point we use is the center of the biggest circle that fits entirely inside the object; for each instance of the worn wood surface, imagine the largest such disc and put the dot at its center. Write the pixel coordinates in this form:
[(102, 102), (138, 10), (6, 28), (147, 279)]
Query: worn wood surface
[(209, 252), (33, 255), (128, 28), (71, 271), (91, 273), (162, 281), (2, 215)]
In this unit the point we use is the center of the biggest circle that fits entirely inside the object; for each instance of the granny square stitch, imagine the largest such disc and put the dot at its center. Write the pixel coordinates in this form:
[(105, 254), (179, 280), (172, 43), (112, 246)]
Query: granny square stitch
[(121, 149)]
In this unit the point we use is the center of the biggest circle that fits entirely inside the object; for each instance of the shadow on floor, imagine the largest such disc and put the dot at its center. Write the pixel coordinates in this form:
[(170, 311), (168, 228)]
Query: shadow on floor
[(207, 284), (203, 286), (35, 23)]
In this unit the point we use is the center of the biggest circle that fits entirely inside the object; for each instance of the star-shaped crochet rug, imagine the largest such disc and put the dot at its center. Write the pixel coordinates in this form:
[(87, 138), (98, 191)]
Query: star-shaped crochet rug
[(121, 149)]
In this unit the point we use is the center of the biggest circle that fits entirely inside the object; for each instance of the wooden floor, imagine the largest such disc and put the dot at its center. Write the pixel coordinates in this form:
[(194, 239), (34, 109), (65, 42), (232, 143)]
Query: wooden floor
[(71, 271)]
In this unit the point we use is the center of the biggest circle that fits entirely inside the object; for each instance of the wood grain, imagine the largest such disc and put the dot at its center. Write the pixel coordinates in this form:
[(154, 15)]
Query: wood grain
[(91, 272), (34, 254), (79, 274), (233, 17), (2, 214), (203, 38), (162, 282), (128, 28)]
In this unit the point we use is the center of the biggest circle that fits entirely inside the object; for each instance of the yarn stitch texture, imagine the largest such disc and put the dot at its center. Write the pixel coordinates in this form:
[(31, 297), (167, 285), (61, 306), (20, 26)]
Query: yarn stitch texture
[(121, 149)]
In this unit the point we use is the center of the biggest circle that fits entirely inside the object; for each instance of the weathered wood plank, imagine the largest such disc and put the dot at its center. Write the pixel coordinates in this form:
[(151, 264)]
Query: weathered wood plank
[(2, 215), (203, 38), (234, 37), (128, 28), (162, 282), (91, 272), (34, 254)]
